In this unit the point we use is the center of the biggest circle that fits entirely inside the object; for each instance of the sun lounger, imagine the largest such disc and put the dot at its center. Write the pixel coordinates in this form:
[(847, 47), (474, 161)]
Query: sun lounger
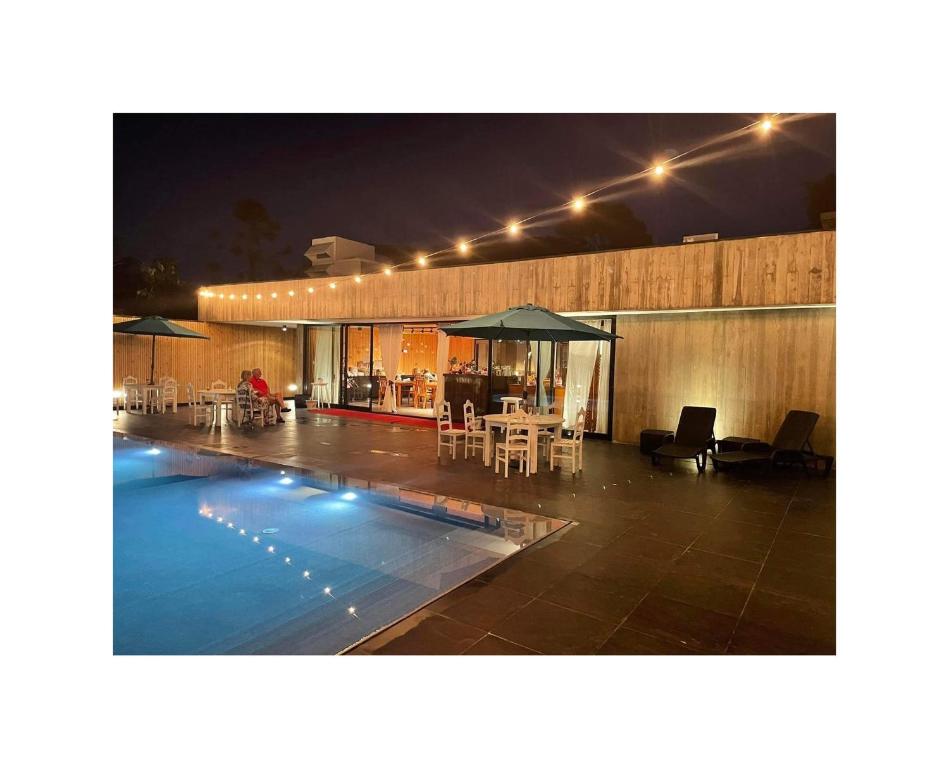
[(790, 446), (695, 430)]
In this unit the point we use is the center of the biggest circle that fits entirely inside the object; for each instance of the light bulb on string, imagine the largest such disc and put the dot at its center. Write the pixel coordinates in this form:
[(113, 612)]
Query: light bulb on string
[(514, 229), (421, 260), (463, 247), (766, 125), (659, 170), (387, 271), (578, 204)]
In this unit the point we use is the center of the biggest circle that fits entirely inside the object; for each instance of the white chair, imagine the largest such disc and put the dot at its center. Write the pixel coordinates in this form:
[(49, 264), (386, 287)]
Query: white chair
[(475, 433), (169, 394), (447, 434), (133, 396), (248, 411), (516, 443), (545, 436), (571, 447), (199, 411)]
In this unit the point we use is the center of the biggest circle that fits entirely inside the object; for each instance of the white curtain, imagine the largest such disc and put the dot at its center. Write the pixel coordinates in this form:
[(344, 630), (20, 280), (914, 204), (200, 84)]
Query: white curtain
[(390, 345), (441, 365), (543, 351), (581, 358), (603, 388), (324, 363)]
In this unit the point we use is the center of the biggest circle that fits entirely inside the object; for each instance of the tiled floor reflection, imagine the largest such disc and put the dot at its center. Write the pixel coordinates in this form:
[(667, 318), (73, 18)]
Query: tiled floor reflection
[(662, 561)]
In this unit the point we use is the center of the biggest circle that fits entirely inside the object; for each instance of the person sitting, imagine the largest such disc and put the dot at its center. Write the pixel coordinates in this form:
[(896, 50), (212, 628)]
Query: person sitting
[(246, 387), (263, 392)]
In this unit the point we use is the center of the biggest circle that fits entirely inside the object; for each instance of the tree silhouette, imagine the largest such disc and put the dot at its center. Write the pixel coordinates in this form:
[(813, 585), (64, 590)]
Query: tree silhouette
[(254, 238), (821, 198)]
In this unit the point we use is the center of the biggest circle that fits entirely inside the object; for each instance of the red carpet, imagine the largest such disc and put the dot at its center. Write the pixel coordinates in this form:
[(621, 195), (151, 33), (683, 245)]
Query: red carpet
[(388, 418)]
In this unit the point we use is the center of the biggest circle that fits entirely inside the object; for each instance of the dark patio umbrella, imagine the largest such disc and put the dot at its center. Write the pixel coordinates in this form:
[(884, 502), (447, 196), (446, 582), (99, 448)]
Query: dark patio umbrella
[(155, 326), (528, 323)]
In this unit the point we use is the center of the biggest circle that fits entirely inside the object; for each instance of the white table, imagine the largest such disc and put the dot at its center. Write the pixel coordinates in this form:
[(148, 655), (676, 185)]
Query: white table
[(217, 397), (534, 423)]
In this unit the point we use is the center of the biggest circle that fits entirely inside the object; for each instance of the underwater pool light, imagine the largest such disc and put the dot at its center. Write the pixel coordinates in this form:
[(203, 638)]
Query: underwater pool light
[(271, 549), (306, 574), (286, 560), (153, 451), (348, 496), (286, 480)]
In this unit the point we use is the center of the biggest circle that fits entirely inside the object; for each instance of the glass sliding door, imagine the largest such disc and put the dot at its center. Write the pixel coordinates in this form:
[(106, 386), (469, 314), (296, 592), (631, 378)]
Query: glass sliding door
[(323, 350), (359, 384), (585, 370)]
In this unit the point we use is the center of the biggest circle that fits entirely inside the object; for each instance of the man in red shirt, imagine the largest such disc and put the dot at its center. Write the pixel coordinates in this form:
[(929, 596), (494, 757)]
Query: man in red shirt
[(263, 390)]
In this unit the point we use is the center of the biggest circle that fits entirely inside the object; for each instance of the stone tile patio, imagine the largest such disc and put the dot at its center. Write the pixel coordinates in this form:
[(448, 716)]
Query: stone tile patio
[(660, 561)]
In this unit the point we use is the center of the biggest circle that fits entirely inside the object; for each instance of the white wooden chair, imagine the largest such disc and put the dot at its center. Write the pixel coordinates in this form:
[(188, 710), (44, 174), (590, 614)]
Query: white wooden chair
[(169, 394), (133, 397), (447, 434), (199, 411), (247, 410), (516, 443), (570, 448), (545, 436), (475, 433)]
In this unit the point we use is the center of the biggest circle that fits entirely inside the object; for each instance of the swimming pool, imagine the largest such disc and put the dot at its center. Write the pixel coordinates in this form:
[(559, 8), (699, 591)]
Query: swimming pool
[(215, 554)]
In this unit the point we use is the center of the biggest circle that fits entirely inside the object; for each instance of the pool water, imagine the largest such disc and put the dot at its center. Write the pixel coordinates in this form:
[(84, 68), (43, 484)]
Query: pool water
[(214, 554)]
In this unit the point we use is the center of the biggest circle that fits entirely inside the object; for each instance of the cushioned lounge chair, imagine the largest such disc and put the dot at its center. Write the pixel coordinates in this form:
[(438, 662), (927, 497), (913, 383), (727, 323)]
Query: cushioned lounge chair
[(695, 430), (790, 446)]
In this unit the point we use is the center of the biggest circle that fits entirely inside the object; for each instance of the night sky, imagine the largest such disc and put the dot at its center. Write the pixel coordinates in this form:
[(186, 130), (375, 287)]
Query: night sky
[(422, 181)]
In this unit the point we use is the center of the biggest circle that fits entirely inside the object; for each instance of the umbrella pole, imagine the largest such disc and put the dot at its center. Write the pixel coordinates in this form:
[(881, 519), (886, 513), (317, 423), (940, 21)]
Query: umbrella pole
[(151, 377)]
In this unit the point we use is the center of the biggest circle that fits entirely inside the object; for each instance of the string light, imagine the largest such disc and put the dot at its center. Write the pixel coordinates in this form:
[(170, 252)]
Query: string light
[(578, 203)]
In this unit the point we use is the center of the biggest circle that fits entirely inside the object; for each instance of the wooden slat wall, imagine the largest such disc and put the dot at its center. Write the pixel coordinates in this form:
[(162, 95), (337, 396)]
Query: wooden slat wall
[(752, 366), (762, 271), (230, 349)]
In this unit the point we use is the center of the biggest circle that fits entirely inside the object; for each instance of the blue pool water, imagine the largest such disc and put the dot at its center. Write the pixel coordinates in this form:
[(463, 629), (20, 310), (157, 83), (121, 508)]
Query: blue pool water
[(213, 554)]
